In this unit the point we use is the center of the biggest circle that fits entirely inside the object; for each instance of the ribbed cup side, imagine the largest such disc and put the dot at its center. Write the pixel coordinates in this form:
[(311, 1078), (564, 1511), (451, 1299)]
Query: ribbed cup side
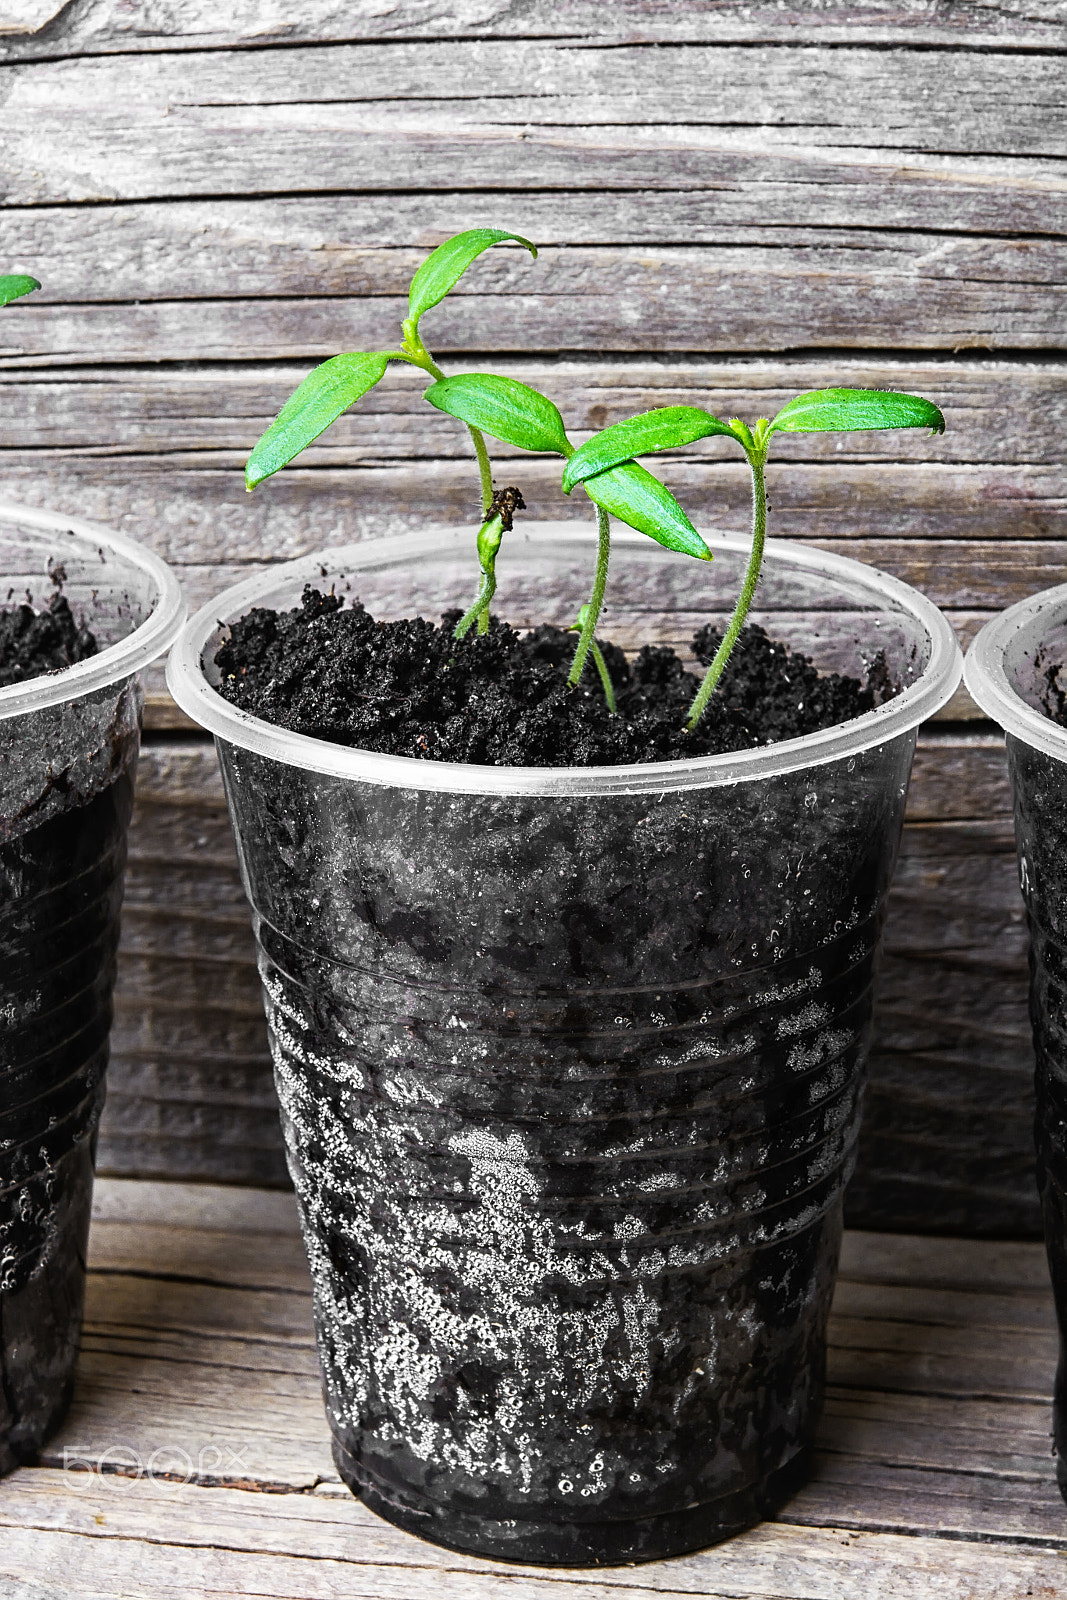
[(60, 894), (1039, 786), (570, 1091)]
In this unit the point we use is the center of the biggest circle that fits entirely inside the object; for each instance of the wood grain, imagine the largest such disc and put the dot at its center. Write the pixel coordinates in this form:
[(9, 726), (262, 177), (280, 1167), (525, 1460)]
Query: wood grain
[(199, 1358), (49, 28), (866, 290), (964, 102), (972, 538), (1000, 414), (276, 245)]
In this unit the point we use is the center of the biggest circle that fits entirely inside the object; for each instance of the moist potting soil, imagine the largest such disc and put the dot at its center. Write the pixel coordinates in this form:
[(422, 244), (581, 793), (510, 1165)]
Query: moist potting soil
[(60, 891), (408, 688), (33, 642), (62, 853)]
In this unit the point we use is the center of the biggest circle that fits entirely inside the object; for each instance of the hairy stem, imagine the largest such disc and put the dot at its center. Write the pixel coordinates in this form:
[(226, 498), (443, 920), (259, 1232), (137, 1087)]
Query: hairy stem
[(479, 611), (489, 536), (485, 470), (605, 676), (756, 460), (596, 599), (415, 352)]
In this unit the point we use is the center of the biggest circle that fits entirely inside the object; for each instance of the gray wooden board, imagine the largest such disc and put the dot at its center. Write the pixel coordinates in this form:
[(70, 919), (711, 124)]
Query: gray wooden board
[(522, 111), (999, 414), (330, 244), (947, 1139), (877, 288), (198, 1389), (44, 28)]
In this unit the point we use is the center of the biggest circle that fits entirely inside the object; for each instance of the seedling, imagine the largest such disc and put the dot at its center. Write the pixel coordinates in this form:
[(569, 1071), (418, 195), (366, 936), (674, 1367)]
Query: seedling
[(605, 467), (511, 411), (668, 427)]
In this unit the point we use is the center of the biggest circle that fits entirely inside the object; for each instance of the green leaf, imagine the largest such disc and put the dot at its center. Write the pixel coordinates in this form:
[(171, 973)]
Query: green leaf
[(442, 270), (663, 429), (637, 498), (327, 391), (503, 407), (15, 285), (849, 410)]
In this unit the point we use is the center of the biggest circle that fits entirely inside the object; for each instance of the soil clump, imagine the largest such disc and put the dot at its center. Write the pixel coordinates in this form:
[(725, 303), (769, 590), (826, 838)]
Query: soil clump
[(35, 642)]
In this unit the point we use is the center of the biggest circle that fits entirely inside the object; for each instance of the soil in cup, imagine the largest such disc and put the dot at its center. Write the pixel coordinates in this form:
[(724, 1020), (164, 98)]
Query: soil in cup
[(501, 698), (34, 642)]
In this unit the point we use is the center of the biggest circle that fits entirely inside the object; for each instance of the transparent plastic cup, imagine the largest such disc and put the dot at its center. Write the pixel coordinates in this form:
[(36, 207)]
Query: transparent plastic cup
[(570, 1060), (68, 749), (1008, 672)]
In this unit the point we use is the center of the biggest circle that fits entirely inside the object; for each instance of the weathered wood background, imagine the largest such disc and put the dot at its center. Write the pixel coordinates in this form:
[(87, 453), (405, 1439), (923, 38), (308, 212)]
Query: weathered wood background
[(736, 201)]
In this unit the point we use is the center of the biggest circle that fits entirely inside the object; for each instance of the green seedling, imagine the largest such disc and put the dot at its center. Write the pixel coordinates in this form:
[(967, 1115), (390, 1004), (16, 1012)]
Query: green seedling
[(521, 416), (667, 428), (605, 467), (15, 285), (510, 411)]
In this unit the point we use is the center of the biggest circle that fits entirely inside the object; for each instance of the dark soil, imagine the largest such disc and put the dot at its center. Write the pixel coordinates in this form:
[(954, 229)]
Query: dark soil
[(34, 642), (60, 891), (1053, 695), (501, 699)]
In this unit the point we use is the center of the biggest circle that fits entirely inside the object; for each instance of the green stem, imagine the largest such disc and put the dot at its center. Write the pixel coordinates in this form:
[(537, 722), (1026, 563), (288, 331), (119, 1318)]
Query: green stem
[(485, 470), (479, 611), (605, 676), (416, 353), (756, 460), (489, 536), (596, 599)]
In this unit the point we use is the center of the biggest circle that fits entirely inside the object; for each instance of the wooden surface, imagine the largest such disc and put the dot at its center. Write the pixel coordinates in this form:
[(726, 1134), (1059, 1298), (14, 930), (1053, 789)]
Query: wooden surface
[(195, 1461), (735, 202)]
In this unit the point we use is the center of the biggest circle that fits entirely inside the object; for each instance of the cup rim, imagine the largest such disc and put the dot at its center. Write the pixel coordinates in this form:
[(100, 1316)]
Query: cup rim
[(189, 686), (989, 684), (119, 660)]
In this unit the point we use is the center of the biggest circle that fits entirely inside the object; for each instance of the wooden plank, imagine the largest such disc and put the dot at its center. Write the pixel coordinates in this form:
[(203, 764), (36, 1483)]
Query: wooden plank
[(913, 1494), (946, 101), (931, 1431), (907, 1501), (990, 407), (745, 193), (945, 569), (864, 290), (966, 1265), (368, 244), (959, 776), (973, 538), (130, 1546), (52, 29)]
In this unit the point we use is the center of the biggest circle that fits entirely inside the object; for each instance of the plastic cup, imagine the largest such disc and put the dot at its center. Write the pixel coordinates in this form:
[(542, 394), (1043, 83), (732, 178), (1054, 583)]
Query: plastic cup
[(68, 750), (570, 1060), (1007, 672)]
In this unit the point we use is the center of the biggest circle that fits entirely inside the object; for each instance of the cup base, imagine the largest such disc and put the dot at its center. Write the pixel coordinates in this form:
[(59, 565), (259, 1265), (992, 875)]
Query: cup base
[(581, 1544)]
